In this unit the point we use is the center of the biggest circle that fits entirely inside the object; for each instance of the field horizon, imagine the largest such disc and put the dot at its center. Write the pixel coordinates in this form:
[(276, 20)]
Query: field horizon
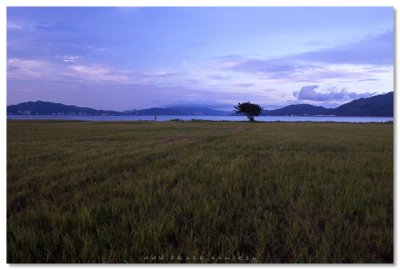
[(199, 192)]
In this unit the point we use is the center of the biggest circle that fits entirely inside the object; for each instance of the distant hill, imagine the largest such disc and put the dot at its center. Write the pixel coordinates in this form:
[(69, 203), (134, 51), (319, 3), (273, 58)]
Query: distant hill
[(181, 111), (299, 109), (50, 108), (152, 111), (380, 105)]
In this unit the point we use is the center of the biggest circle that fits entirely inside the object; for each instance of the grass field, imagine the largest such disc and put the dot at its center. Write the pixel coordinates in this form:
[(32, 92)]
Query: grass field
[(205, 191)]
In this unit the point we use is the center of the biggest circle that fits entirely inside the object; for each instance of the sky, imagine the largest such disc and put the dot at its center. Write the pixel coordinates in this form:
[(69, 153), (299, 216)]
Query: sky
[(124, 58)]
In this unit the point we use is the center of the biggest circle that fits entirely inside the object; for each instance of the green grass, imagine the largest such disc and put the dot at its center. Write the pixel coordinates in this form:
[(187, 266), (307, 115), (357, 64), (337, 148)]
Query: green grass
[(128, 191)]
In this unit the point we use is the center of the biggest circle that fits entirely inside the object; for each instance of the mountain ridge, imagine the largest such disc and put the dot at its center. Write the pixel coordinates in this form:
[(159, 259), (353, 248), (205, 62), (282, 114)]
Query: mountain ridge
[(378, 105), (299, 109), (51, 108)]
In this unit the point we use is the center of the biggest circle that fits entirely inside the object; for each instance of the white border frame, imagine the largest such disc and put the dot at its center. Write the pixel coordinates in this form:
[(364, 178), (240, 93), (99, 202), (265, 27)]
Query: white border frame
[(272, 3)]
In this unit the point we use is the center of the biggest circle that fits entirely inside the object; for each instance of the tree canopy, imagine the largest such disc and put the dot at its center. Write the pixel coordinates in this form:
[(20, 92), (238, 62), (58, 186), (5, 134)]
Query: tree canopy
[(249, 109)]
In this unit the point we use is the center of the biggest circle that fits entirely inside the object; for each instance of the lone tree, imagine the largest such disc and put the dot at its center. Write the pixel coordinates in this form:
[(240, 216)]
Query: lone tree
[(249, 109)]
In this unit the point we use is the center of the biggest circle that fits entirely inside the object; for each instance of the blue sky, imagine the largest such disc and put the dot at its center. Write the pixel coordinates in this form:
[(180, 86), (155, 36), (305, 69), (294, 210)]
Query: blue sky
[(123, 58)]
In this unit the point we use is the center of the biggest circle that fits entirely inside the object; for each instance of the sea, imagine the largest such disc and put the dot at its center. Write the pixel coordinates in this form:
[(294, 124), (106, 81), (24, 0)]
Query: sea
[(349, 119)]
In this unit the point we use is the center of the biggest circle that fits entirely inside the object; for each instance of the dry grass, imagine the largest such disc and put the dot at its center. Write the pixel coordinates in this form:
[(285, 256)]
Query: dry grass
[(127, 191)]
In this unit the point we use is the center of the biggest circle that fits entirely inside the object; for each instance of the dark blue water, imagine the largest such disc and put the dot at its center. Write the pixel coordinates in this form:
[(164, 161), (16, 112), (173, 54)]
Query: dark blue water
[(350, 119)]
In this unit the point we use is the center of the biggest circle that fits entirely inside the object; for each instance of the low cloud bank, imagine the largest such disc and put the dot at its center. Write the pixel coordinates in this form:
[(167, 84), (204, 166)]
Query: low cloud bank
[(310, 92)]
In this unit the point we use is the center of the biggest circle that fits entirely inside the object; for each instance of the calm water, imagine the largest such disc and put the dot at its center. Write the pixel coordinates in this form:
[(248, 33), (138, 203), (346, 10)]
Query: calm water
[(212, 118)]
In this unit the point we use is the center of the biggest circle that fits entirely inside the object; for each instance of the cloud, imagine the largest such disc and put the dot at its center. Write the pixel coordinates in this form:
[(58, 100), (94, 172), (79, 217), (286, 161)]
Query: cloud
[(45, 70), (70, 59), (372, 50), (71, 69), (309, 93), (284, 70), (275, 67), (244, 85), (118, 75), (43, 25), (161, 74), (101, 73), (97, 94), (14, 25), (361, 60), (27, 68), (367, 80), (218, 77)]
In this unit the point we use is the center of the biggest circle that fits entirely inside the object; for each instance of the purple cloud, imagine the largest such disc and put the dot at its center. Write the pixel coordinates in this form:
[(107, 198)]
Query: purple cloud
[(244, 85), (297, 71), (309, 93), (372, 50), (358, 60), (218, 77), (276, 68)]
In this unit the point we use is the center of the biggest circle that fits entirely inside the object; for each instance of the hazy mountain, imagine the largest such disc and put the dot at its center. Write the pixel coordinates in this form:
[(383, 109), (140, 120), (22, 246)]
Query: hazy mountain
[(49, 108), (299, 109), (133, 111), (199, 111), (177, 111), (153, 111)]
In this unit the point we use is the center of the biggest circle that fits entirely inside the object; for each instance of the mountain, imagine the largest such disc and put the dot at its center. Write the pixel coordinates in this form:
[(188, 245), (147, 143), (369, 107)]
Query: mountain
[(177, 111), (198, 110), (380, 105), (50, 108), (299, 109)]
